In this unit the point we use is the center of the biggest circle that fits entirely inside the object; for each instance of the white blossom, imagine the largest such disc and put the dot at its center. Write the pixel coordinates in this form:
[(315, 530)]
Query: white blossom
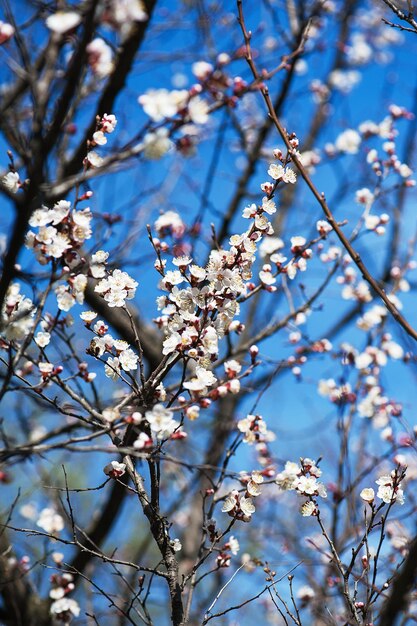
[(161, 421), (156, 144), (348, 141), (11, 181), (50, 521), (367, 494), (246, 506), (114, 469), (42, 339), (65, 609), (128, 360), (61, 22)]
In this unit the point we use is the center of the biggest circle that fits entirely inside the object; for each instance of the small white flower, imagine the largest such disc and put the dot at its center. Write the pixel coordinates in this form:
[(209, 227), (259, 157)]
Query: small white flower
[(202, 69), (159, 103), (257, 477), (50, 521), (198, 110), (246, 506), (65, 300), (367, 494), (143, 442), (110, 414), (65, 609), (275, 171), (99, 138), (298, 242), (6, 32), (94, 159), (156, 144), (307, 485), (364, 196), (204, 378), (112, 368), (348, 141), (42, 339), (233, 543), (57, 593), (269, 206), (230, 503), (11, 181), (61, 22), (161, 421), (128, 360), (308, 509), (323, 227), (88, 316), (305, 593), (176, 545), (289, 176), (114, 469), (253, 488)]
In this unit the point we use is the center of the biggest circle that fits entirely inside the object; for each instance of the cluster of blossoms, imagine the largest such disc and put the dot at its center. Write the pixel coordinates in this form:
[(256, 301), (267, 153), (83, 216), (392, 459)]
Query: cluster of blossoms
[(122, 358), (64, 610), (379, 356), (62, 584), (186, 107), (157, 423), (119, 14), (257, 434), (303, 478), (338, 394), (255, 429), (354, 289), (160, 423), (371, 401), (161, 104), (100, 58), (384, 164), (389, 489), (240, 506), (116, 288), (374, 405), (196, 315), (16, 320), (365, 45), (61, 232), (350, 140), (105, 125)]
